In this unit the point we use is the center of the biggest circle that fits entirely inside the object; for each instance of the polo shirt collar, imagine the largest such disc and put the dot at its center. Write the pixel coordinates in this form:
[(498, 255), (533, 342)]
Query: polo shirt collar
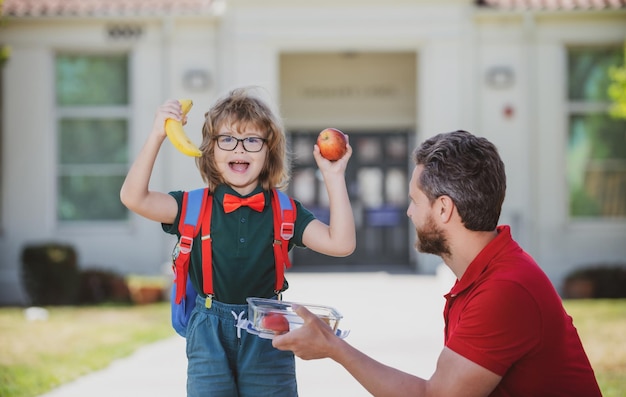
[(482, 260)]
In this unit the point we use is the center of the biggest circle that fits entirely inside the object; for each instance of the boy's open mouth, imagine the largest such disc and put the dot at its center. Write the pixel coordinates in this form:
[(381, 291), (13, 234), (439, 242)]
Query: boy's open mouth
[(238, 166)]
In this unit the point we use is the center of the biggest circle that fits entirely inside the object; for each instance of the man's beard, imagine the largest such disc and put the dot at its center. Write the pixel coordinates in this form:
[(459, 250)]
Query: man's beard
[(431, 239)]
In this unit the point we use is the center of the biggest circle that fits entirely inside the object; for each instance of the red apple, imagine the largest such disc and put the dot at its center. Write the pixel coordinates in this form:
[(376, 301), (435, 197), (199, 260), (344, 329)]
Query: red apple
[(275, 322), (332, 144)]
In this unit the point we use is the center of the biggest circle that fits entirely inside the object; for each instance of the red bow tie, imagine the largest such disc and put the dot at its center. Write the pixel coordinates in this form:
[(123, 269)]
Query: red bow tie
[(256, 202)]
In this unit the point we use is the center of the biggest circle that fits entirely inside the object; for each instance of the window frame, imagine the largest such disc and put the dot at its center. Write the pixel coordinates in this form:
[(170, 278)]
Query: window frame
[(102, 112), (583, 108)]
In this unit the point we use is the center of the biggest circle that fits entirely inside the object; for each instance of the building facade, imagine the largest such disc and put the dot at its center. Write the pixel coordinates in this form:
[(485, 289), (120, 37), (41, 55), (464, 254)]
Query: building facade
[(84, 78)]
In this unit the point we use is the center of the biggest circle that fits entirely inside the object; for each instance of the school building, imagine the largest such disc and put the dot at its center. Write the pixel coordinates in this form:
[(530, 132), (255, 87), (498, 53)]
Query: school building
[(83, 79)]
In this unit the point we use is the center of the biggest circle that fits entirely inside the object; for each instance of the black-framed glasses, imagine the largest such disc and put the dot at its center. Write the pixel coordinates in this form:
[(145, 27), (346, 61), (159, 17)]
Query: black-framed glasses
[(250, 144)]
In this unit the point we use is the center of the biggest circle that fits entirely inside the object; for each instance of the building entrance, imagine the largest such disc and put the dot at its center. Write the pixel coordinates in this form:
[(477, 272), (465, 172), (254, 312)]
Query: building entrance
[(377, 180)]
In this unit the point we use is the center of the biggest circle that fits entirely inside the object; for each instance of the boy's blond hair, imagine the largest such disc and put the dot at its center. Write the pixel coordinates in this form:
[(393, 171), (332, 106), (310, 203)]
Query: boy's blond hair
[(241, 109)]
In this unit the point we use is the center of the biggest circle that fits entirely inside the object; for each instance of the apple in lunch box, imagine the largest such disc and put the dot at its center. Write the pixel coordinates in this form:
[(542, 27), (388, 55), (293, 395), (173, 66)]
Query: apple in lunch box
[(275, 322), (332, 143)]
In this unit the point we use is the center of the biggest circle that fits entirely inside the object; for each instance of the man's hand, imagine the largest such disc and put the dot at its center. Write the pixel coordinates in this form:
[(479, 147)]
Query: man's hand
[(313, 340)]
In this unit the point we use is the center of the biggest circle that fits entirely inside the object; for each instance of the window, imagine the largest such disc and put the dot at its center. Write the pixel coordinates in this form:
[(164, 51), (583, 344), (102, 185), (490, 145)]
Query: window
[(596, 151), (93, 122)]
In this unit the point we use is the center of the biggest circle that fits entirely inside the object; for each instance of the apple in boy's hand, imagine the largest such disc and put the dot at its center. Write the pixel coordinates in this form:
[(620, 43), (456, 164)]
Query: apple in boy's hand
[(275, 322), (332, 144)]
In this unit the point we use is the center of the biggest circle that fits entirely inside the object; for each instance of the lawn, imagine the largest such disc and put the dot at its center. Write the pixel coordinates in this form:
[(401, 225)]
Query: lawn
[(37, 356), (601, 325)]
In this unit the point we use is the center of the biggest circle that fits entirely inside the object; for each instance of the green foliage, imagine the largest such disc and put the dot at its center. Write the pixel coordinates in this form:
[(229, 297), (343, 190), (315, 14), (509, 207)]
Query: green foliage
[(5, 53), (617, 89)]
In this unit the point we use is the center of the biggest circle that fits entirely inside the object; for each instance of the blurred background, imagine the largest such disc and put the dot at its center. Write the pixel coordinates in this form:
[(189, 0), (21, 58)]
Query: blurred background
[(81, 81)]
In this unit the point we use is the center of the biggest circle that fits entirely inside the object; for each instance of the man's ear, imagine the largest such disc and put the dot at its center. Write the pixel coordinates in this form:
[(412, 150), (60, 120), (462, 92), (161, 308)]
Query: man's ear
[(446, 208)]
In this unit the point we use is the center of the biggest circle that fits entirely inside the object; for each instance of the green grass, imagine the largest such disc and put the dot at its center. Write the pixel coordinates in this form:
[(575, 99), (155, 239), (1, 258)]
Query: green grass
[(601, 325), (38, 356)]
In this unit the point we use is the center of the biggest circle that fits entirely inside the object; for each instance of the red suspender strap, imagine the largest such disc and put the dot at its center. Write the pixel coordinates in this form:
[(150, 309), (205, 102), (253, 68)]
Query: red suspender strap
[(207, 252)]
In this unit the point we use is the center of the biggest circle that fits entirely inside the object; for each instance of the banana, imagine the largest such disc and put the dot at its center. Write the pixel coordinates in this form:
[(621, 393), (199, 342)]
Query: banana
[(176, 133)]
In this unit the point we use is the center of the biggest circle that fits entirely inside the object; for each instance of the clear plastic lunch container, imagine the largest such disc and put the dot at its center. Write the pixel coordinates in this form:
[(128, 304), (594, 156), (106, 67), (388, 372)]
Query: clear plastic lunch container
[(258, 308)]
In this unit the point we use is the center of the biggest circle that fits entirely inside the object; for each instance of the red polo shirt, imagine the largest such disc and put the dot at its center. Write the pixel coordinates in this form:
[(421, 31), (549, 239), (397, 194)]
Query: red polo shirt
[(505, 315)]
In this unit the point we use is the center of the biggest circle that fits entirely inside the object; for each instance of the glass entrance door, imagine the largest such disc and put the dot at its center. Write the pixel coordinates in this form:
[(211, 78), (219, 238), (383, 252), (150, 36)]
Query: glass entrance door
[(377, 179)]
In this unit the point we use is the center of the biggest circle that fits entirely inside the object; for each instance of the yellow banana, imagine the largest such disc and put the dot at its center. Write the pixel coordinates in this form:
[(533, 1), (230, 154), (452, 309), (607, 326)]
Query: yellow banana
[(176, 133)]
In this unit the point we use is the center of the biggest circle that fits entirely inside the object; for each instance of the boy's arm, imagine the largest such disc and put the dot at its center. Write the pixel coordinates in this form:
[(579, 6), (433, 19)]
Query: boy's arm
[(135, 193), (339, 237)]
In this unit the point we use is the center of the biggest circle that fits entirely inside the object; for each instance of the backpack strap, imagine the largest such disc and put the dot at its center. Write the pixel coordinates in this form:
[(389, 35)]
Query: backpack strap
[(193, 205), (284, 210)]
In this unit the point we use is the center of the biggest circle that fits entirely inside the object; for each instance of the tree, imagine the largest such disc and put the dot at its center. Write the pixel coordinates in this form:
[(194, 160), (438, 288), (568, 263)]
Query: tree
[(617, 89)]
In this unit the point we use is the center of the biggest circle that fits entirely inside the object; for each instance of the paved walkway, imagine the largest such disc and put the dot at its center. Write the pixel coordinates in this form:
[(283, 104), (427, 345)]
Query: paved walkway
[(395, 318)]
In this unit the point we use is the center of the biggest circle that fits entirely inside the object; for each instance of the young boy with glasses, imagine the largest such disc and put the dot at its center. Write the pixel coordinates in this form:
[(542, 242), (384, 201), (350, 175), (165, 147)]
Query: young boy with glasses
[(243, 155)]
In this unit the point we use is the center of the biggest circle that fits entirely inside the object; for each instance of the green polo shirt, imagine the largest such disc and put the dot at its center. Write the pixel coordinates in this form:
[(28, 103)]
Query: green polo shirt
[(243, 256)]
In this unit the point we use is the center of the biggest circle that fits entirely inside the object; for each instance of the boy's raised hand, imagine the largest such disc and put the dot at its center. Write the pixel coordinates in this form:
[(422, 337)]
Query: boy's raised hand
[(338, 237), (338, 166), (170, 109)]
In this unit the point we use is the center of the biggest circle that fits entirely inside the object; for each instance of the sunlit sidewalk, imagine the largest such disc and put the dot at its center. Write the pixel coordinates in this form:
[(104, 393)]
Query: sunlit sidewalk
[(395, 318)]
